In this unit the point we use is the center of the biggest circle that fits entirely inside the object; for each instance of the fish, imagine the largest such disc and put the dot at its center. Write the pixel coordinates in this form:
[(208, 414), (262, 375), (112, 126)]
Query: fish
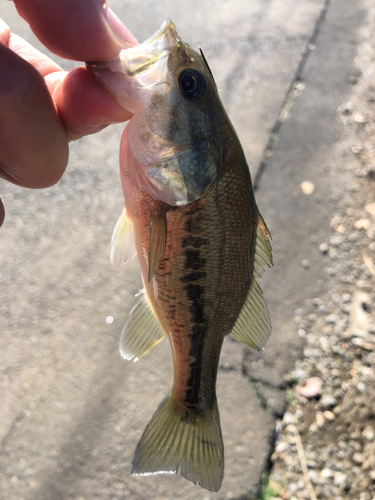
[(191, 217)]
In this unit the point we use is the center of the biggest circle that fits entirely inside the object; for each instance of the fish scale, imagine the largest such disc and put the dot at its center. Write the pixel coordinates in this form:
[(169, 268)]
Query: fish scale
[(191, 215)]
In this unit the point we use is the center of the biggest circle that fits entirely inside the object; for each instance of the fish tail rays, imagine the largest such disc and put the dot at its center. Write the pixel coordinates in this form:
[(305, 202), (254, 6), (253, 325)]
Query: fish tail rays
[(185, 441)]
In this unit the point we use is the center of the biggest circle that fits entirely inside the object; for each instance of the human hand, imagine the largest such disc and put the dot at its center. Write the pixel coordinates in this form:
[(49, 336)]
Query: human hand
[(42, 107)]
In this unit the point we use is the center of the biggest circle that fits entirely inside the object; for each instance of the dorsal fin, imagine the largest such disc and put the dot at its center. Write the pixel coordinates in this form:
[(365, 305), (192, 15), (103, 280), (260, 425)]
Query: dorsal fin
[(122, 244), (263, 250), (253, 325), (141, 332)]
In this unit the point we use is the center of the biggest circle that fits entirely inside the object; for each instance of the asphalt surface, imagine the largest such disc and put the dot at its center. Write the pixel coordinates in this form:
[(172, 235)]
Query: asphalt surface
[(72, 410)]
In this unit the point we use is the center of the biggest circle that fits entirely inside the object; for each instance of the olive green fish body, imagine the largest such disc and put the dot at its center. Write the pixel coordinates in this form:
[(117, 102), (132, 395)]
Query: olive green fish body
[(191, 216)]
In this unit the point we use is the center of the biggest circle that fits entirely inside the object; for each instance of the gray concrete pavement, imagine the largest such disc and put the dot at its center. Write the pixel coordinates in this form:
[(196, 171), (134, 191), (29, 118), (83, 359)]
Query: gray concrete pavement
[(73, 409)]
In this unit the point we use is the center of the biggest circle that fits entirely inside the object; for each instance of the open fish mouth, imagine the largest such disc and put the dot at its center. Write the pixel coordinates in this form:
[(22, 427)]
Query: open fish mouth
[(134, 60), (139, 59)]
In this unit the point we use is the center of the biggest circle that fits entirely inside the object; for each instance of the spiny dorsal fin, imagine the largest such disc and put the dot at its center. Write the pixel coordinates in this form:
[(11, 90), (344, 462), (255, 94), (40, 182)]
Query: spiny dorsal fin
[(253, 325), (158, 239), (141, 331), (123, 244), (178, 439)]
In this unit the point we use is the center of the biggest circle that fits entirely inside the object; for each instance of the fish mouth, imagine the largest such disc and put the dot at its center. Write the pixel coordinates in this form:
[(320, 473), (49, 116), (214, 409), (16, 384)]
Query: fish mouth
[(143, 66), (139, 59)]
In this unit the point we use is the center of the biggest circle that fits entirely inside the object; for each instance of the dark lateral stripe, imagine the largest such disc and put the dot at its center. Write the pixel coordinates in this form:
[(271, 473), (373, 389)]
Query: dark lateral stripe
[(194, 241), (194, 260), (194, 276)]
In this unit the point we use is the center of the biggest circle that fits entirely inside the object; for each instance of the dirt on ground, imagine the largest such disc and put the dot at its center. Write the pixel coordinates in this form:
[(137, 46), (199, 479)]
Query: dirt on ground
[(326, 443)]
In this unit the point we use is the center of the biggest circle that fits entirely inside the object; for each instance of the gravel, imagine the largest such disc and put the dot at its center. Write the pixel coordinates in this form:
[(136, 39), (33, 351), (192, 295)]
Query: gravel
[(335, 419)]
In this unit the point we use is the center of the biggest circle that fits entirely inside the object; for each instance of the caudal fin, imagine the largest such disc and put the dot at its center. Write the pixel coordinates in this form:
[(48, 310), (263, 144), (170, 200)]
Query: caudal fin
[(182, 441)]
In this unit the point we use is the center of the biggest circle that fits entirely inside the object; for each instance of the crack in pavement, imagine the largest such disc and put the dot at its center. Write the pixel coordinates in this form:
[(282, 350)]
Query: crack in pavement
[(291, 93)]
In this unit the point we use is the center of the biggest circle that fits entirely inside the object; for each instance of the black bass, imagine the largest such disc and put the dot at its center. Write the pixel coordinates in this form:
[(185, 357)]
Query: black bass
[(191, 215)]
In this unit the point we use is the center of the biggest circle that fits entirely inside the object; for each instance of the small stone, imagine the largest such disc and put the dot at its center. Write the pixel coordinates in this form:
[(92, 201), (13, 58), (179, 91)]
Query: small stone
[(361, 386), (368, 433), (313, 475), (339, 478), (331, 318), (359, 318), (336, 240), (358, 117), (319, 419), (326, 473), (311, 389), (281, 447), (346, 298), (289, 418), (370, 208), (329, 415), (358, 458), (327, 401), (362, 224), (323, 248), (306, 263), (372, 474), (307, 187), (341, 229), (364, 496)]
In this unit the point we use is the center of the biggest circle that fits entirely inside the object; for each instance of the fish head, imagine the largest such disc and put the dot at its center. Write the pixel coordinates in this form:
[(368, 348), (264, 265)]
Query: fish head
[(173, 136)]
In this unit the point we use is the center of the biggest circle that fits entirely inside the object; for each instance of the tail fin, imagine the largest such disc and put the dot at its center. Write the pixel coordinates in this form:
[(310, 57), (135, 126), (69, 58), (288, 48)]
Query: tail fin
[(184, 441)]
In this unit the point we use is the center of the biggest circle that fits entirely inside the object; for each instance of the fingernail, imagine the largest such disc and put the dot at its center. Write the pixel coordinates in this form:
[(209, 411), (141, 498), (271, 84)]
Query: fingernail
[(118, 27), (2, 213)]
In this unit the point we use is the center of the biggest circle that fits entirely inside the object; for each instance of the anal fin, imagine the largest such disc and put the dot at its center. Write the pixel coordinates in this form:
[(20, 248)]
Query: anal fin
[(141, 332), (158, 239)]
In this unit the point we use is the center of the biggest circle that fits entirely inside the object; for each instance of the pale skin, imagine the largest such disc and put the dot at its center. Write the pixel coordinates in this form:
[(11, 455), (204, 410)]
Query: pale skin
[(42, 107)]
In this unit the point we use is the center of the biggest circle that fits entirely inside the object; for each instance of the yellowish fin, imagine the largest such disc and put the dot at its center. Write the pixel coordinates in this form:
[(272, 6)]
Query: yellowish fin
[(182, 440), (158, 240), (141, 332), (253, 325), (123, 244), (263, 250)]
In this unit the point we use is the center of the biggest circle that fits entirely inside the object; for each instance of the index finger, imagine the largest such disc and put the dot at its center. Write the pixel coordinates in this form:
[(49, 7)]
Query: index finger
[(82, 30)]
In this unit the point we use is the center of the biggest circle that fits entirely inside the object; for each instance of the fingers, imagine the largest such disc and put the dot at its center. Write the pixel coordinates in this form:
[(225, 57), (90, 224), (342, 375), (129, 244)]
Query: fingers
[(41, 62), (33, 144), (84, 106), (83, 30)]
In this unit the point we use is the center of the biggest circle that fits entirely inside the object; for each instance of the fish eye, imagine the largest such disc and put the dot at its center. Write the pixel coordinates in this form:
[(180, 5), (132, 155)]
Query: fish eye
[(192, 84)]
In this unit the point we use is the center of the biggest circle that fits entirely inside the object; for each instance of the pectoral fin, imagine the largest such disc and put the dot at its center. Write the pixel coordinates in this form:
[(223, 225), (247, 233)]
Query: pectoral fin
[(123, 244), (253, 325), (158, 239), (141, 332)]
